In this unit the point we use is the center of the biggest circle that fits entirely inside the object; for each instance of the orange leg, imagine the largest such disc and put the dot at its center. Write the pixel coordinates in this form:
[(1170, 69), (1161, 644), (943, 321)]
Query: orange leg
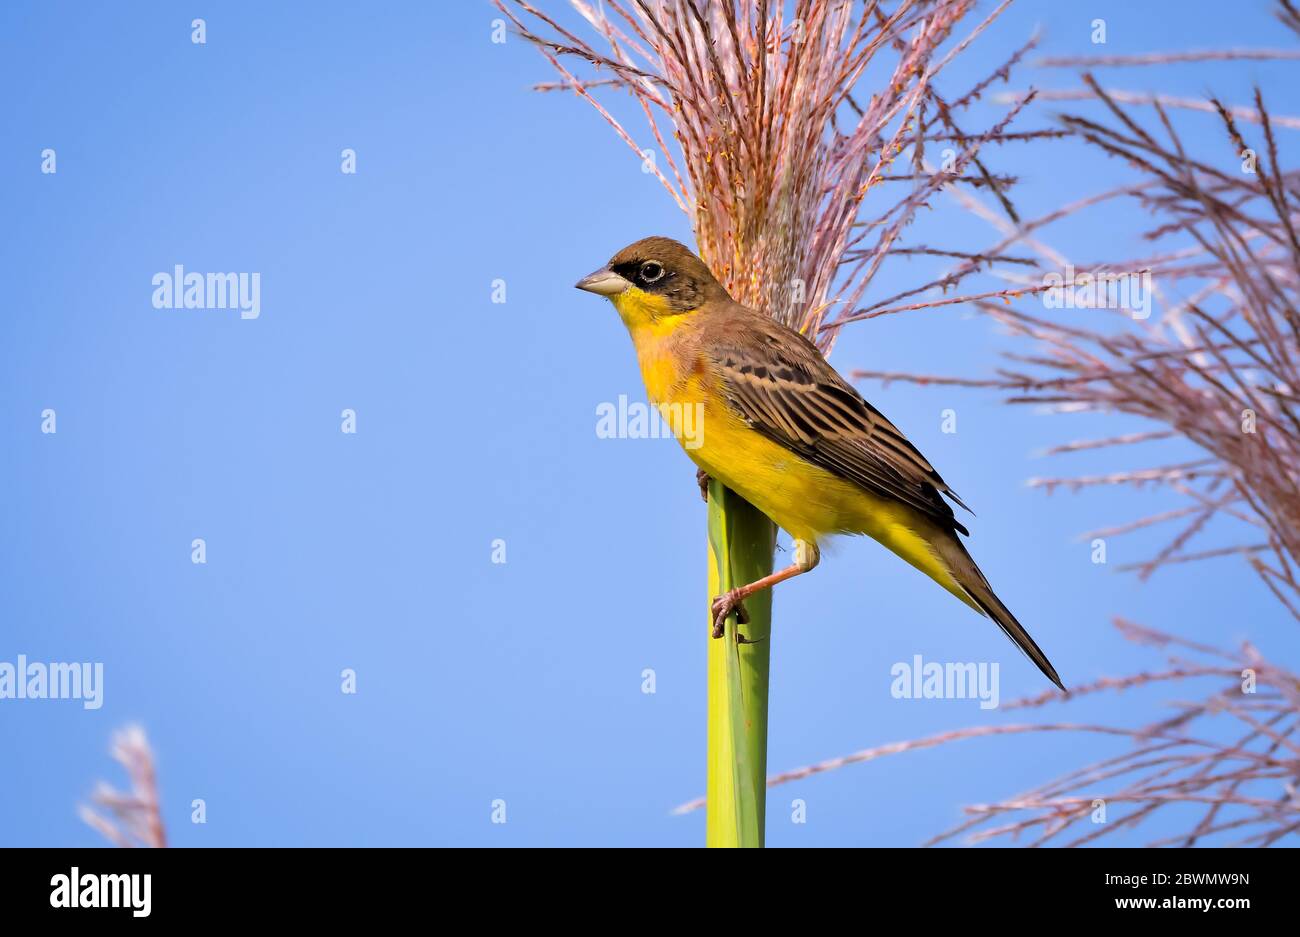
[(702, 479), (806, 557)]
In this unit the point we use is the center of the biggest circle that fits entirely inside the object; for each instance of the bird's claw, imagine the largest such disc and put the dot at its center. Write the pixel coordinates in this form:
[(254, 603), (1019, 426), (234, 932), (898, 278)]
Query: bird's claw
[(702, 479), (723, 607)]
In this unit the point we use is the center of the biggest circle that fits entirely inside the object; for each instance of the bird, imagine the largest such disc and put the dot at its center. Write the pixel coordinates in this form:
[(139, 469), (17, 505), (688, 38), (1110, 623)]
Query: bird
[(779, 426)]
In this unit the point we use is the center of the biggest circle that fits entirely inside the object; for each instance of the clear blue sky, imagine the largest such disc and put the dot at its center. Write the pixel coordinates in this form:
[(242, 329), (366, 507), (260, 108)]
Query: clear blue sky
[(476, 421)]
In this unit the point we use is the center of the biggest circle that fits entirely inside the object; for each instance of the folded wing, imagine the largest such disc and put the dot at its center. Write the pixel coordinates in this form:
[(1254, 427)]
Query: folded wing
[(782, 386)]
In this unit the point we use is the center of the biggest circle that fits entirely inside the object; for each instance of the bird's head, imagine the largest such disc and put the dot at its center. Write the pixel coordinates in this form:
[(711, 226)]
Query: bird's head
[(653, 278)]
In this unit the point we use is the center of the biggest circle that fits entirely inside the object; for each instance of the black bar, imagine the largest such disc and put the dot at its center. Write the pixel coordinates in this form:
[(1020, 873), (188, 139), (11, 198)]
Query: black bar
[(368, 885)]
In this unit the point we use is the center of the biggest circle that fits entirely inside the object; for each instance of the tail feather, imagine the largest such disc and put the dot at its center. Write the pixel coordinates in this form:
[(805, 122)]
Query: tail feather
[(983, 599)]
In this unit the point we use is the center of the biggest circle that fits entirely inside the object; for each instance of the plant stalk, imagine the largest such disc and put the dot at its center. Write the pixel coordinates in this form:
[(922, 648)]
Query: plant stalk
[(741, 545)]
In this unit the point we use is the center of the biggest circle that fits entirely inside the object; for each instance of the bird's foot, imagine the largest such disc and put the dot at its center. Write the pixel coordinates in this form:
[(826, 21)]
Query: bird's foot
[(723, 607), (702, 479)]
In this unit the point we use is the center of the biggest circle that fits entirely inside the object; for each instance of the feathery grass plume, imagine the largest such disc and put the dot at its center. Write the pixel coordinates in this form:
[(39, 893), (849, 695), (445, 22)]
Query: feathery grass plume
[(786, 117), (134, 818), (1218, 370), (1232, 757)]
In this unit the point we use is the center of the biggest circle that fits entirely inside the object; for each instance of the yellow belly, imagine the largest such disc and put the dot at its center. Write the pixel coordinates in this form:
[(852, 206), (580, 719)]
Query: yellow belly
[(808, 502), (801, 498), (805, 500)]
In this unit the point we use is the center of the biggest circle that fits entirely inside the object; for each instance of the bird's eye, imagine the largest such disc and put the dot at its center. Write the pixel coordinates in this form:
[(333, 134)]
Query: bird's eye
[(651, 271)]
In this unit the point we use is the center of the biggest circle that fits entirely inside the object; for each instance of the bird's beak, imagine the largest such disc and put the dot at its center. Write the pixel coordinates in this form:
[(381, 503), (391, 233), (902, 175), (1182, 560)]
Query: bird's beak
[(604, 282)]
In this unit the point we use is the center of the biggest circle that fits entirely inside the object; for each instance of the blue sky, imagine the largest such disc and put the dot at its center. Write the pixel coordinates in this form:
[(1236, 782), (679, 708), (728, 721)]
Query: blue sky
[(372, 551)]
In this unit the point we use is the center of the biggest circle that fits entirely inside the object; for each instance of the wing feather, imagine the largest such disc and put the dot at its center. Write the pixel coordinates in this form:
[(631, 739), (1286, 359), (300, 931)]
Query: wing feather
[(782, 386)]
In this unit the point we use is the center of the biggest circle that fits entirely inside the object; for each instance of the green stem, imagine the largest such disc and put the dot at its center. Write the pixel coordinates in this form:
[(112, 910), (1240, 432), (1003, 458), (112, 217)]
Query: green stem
[(741, 545)]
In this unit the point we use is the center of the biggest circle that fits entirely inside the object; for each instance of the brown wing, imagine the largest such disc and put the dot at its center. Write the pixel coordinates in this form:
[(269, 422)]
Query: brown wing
[(783, 387)]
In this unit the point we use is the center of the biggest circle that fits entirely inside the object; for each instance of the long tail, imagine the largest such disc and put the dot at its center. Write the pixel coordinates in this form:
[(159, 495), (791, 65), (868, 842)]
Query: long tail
[(980, 596)]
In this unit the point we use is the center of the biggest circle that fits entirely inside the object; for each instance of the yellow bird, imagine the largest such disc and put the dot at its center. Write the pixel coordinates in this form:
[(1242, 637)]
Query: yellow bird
[(782, 429)]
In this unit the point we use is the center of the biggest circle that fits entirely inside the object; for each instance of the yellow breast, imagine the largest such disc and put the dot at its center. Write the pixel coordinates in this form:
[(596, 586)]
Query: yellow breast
[(805, 500)]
